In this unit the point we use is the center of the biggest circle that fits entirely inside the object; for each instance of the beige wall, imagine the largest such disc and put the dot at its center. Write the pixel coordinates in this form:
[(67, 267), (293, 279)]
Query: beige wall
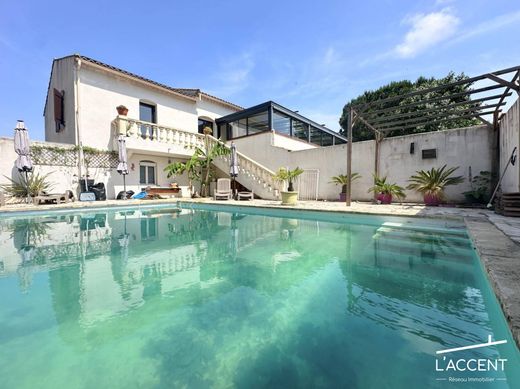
[(509, 139), (62, 79), (101, 91), (468, 148), (66, 177)]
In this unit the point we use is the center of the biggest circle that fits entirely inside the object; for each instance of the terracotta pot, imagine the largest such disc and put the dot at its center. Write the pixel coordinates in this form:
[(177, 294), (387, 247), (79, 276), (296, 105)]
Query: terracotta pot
[(431, 199), (384, 198), (289, 198), (122, 110)]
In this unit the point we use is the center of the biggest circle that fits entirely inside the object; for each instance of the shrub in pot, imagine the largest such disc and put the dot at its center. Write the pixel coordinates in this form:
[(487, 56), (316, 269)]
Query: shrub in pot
[(431, 183), (342, 180), (385, 192), (289, 197), (480, 188)]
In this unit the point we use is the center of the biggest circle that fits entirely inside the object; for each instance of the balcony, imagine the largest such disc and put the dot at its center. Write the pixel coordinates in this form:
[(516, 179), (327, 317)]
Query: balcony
[(156, 139)]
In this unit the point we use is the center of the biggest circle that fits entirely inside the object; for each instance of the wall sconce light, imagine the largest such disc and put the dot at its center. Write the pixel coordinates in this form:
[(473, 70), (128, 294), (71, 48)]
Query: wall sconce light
[(132, 167)]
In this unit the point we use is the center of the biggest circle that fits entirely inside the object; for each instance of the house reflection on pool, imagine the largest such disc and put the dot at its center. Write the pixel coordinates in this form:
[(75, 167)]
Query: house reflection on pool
[(96, 258), (178, 295)]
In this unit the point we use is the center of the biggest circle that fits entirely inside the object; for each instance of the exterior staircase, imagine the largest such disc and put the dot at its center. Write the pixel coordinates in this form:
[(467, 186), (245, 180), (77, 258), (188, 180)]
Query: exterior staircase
[(259, 179)]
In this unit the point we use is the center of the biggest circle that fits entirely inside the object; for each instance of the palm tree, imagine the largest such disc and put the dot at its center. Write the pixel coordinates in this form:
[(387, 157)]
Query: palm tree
[(287, 175), (342, 180), (431, 183), (385, 191)]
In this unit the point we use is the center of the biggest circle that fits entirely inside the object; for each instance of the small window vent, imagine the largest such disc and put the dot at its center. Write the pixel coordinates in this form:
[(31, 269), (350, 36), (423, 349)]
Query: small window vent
[(429, 153)]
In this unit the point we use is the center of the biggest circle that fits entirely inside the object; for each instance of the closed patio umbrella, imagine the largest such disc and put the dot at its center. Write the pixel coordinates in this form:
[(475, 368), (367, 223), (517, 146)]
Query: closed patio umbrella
[(122, 167), (23, 149), (233, 166)]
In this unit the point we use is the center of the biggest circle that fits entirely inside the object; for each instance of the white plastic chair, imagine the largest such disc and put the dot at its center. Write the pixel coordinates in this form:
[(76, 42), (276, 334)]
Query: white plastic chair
[(223, 189)]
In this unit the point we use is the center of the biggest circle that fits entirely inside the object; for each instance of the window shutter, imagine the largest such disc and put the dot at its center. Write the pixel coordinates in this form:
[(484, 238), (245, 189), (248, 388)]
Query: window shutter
[(59, 117)]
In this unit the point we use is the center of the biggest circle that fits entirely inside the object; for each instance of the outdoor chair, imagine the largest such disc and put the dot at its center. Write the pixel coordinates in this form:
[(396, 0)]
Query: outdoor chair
[(223, 189)]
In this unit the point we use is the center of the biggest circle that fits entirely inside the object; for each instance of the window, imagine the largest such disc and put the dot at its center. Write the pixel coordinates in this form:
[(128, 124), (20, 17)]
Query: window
[(203, 123), (59, 111), (147, 114), (316, 136), (281, 123), (238, 129), (326, 139), (257, 123), (300, 130), (148, 228), (147, 170)]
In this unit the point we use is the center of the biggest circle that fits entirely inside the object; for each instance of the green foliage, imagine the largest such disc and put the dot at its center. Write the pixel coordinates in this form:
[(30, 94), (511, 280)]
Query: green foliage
[(432, 182), (342, 180), (288, 176), (31, 185), (362, 132), (480, 188), (383, 187), (199, 166)]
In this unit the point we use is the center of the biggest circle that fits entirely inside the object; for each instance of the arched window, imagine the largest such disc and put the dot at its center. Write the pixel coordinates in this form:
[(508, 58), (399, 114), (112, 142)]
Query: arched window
[(204, 122), (148, 172)]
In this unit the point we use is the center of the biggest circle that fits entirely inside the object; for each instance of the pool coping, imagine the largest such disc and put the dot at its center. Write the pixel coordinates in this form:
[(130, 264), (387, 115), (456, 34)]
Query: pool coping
[(498, 252), (500, 257)]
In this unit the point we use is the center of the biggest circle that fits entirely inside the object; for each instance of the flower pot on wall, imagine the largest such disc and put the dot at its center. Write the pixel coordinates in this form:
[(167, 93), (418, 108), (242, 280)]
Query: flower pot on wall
[(431, 199), (384, 198), (289, 198), (122, 110)]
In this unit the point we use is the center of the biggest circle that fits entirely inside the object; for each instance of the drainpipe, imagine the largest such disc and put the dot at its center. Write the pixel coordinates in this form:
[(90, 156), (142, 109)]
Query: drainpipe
[(77, 67)]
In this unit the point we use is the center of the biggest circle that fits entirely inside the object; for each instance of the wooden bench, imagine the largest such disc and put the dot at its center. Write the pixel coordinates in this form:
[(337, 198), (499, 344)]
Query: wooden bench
[(162, 191)]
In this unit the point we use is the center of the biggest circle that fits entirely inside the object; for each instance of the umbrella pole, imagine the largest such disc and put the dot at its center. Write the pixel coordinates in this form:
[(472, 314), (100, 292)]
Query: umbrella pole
[(124, 188), (27, 183)]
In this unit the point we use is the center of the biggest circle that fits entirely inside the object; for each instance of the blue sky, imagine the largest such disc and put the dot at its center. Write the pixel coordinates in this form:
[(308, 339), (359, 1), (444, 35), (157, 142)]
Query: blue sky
[(307, 55)]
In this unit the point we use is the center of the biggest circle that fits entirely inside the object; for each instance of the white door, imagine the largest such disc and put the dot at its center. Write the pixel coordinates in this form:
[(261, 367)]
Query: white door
[(308, 184)]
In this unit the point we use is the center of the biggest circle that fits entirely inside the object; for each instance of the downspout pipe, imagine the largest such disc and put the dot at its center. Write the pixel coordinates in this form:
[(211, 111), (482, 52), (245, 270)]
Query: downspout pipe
[(77, 105)]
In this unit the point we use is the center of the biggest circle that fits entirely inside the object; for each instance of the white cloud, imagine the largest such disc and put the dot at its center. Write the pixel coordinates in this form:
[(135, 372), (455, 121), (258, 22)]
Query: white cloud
[(234, 74), (426, 31), (489, 26)]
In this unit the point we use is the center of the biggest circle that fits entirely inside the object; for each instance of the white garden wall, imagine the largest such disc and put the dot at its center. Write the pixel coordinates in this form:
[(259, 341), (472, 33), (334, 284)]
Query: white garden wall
[(469, 148), (509, 139)]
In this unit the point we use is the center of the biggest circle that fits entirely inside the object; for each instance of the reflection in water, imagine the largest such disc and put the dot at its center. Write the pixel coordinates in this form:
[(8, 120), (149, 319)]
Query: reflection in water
[(199, 298)]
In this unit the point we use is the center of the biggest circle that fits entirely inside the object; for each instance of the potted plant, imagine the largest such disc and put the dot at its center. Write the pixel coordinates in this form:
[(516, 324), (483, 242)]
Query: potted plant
[(290, 197), (342, 180), (122, 110), (385, 192), (431, 183), (480, 188)]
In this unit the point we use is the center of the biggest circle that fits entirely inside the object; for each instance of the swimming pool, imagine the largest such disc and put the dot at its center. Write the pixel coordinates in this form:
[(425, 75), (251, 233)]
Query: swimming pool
[(238, 297)]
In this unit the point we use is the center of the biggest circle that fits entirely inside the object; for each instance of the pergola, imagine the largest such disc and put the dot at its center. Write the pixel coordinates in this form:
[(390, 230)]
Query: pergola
[(393, 113)]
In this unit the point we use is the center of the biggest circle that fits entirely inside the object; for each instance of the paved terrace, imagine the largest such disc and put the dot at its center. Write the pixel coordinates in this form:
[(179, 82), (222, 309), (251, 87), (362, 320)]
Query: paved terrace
[(496, 238)]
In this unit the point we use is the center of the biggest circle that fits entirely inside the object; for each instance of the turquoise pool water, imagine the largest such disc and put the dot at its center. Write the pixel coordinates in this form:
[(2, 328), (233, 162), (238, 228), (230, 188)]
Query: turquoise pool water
[(200, 298)]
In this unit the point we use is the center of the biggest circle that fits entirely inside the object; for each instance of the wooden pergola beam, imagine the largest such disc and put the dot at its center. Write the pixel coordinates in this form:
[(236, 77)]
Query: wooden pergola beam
[(444, 120), (446, 113), (467, 81), (370, 114), (404, 115)]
